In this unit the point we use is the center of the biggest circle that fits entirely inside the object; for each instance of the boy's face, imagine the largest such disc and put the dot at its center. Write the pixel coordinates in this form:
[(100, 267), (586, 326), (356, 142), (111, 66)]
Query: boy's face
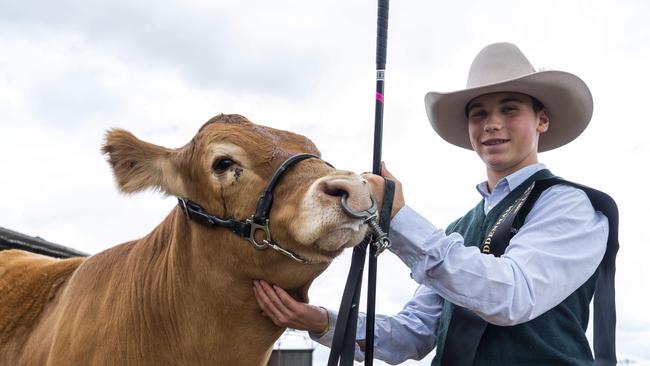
[(504, 131)]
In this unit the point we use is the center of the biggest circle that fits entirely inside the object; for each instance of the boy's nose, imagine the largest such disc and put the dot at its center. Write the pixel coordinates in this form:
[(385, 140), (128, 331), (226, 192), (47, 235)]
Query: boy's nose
[(492, 123)]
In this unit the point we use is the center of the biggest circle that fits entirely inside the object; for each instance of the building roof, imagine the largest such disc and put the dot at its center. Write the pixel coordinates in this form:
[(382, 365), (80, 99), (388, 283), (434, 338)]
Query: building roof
[(10, 239)]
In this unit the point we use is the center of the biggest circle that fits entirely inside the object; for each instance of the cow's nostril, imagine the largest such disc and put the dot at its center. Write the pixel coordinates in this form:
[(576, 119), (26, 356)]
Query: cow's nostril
[(356, 194), (335, 192)]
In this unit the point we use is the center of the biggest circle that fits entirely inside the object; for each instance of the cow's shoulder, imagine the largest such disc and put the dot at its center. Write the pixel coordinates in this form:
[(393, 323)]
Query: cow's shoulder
[(28, 282)]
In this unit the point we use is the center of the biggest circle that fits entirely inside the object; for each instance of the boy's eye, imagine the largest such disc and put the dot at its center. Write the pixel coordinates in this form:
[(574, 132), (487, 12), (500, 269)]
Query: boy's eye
[(509, 109), (477, 114)]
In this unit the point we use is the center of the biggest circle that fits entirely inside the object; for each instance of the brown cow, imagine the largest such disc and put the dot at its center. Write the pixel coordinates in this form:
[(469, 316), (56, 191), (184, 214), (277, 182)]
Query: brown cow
[(183, 295)]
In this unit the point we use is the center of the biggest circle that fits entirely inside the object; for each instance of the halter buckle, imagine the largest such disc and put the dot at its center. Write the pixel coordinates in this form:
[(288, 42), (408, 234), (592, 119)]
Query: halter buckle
[(183, 203), (255, 227)]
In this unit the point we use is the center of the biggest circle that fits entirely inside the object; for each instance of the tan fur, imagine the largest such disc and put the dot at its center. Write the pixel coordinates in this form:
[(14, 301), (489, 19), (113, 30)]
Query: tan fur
[(27, 282), (181, 295)]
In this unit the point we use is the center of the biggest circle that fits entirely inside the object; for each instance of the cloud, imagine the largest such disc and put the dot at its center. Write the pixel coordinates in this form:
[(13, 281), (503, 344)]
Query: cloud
[(209, 45), (70, 70)]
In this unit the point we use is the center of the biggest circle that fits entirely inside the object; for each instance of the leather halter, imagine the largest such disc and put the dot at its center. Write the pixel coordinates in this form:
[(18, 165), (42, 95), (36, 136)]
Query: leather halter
[(259, 221)]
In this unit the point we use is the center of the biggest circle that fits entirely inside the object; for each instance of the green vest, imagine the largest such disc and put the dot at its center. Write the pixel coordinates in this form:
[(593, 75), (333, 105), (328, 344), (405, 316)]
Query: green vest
[(556, 337)]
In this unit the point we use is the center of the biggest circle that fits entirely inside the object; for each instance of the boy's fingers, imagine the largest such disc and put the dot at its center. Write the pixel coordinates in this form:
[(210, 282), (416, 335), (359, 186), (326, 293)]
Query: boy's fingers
[(283, 312), (385, 172), (264, 299), (271, 295), (291, 303)]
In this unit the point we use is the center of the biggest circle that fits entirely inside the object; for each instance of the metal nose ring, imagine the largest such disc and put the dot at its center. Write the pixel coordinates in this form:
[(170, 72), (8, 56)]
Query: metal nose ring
[(363, 215)]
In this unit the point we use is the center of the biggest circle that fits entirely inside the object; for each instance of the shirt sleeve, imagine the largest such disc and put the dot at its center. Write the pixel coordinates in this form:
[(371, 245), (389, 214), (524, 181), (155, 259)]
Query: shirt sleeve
[(409, 334), (557, 249)]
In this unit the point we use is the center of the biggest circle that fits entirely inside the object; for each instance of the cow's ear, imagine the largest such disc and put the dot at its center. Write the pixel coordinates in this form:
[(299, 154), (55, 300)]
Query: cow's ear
[(139, 165)]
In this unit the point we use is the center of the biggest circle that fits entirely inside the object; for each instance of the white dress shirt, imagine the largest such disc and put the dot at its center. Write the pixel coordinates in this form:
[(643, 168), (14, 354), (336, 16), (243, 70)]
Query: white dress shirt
[(557, 249)]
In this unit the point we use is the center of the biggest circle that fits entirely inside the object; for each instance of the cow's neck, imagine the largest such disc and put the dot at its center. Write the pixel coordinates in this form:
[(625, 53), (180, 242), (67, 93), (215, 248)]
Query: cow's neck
[(203, 283)]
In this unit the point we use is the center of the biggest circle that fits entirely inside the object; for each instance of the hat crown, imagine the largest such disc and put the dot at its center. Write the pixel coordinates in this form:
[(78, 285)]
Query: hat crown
[(496, 63)]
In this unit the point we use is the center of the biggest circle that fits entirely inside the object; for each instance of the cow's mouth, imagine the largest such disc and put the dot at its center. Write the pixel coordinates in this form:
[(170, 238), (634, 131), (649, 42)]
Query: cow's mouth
[(335, 241), (342, 236)]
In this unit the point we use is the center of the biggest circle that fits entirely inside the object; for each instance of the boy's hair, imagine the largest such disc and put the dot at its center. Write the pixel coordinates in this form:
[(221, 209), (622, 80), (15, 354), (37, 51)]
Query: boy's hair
[(537, 106)]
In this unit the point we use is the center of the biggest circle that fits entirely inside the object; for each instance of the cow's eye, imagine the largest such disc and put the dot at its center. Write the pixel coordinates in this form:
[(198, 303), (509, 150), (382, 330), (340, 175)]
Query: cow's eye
[(220, 165)]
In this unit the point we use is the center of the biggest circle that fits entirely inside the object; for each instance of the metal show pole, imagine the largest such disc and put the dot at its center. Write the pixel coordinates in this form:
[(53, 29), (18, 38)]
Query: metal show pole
[(344, 340), (382, 38)]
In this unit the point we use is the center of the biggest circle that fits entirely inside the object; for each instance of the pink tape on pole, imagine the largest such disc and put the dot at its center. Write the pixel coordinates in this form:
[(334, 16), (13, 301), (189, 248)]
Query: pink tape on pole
[(380, 97)]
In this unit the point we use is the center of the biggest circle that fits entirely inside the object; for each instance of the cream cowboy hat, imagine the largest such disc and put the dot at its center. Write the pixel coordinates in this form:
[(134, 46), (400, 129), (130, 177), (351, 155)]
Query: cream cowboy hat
[(502, 67)]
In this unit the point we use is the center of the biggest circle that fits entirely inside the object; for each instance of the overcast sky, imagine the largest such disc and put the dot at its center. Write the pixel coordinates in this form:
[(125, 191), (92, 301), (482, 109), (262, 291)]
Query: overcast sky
[(70, 70)]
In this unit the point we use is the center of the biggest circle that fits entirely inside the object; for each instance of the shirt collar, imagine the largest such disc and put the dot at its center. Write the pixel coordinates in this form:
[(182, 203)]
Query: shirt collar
[(511, 181)]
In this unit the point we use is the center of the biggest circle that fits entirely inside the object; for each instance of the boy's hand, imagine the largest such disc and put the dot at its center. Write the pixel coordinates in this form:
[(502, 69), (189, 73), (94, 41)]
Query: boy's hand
[(286, 312), (377, 188)]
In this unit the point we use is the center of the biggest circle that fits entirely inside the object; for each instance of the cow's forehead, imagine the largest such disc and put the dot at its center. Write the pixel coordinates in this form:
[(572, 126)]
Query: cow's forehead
[(226, 119), (237, 130)]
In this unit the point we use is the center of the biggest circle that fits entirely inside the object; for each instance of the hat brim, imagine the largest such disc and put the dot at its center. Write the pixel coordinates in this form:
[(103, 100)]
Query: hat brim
[(567, 99)]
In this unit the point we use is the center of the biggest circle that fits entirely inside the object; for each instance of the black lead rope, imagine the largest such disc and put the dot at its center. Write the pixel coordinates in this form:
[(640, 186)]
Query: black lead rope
[(375, 250), (344, 342), (343, 345)]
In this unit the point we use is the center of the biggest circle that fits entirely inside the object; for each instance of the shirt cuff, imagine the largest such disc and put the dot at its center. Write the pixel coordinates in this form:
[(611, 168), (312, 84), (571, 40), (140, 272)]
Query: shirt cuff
[(327, 336)]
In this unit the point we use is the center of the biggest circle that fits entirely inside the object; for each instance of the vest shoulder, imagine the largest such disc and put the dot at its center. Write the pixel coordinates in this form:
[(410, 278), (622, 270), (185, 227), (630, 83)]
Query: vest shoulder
[(474, 212), (563, 187)]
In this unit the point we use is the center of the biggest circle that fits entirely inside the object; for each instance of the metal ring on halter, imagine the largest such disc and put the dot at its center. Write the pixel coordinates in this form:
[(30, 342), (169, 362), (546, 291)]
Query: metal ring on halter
[(365, 214), (254, 229)]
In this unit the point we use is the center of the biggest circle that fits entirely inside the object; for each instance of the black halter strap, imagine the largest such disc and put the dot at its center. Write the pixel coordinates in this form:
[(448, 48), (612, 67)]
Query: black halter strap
[(259, 221), (266, 199), (196, 213)]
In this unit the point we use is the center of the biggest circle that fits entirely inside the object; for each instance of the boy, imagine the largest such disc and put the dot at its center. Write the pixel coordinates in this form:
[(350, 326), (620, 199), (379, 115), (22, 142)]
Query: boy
[(533, 300)]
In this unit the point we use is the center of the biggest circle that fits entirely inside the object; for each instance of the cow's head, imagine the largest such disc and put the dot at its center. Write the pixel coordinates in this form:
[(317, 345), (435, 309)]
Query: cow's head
[(226, 167)]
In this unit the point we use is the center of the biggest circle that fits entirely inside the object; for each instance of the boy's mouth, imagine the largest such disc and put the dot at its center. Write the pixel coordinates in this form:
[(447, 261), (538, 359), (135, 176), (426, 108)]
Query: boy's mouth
[(492, 142)]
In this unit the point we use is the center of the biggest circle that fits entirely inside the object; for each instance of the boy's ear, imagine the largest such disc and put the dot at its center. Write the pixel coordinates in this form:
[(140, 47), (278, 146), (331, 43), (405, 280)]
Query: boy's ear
[(138, 165), (544, 121)]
